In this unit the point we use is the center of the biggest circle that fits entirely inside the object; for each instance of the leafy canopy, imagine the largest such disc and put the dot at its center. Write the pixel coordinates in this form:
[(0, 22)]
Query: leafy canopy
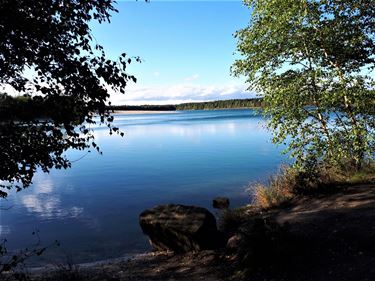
[(48, 54), (313, 61)]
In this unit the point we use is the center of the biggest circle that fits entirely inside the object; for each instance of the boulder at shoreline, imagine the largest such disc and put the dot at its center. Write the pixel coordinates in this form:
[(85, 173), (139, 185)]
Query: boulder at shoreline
[(180, 228), (220, 203)]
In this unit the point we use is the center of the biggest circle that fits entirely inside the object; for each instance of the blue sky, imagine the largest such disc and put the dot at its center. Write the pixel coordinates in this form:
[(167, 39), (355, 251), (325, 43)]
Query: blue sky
[(186, 47)]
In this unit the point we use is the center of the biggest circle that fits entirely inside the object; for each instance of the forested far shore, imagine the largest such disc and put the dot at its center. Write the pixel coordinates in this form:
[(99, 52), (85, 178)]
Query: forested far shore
[(146, 107), (219, 104), (26, 107)]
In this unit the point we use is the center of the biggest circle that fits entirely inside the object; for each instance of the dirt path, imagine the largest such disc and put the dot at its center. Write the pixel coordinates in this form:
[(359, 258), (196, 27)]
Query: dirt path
[(334, 237)]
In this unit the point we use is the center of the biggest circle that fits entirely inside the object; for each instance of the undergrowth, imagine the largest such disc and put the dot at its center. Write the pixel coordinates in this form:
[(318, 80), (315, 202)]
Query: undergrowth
[(289, 183)]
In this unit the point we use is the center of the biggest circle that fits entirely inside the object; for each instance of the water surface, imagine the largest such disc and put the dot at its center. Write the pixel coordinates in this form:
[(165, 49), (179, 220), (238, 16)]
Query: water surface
[(186, 157)]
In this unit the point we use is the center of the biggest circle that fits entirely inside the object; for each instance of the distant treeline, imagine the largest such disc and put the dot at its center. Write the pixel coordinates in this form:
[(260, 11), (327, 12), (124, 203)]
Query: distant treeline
[(22, 107), (61, 109), (168, 107), (65, 108), (220, 104)]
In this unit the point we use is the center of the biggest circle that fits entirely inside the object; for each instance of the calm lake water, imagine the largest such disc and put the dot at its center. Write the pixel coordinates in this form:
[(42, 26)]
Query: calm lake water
[(186, 157)]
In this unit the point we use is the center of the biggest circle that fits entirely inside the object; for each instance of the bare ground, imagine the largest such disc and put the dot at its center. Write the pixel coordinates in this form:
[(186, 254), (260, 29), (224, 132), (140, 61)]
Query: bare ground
[(334, 237)]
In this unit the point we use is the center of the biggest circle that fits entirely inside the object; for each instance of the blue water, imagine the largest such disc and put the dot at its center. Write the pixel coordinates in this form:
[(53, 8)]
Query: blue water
[(186, 157)]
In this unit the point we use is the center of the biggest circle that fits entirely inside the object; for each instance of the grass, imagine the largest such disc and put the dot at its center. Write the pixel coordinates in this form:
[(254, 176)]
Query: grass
[(288, 183), (278, 190), (366, 174)]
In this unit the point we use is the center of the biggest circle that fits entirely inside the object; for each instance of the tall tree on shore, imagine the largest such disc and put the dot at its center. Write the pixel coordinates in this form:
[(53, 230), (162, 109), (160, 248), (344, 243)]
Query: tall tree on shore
[(47, 53), (313, 61)]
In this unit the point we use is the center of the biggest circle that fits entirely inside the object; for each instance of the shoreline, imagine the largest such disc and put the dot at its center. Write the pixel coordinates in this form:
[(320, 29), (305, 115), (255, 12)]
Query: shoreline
[(315, 223), (131, 112), (51, 267)]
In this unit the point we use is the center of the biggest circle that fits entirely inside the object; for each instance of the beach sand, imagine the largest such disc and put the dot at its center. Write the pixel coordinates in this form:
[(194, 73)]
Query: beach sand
[(141, 112)]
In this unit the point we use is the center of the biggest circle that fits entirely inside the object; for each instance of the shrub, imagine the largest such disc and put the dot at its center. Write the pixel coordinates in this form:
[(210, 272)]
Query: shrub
[(279, 188), (289, 182)]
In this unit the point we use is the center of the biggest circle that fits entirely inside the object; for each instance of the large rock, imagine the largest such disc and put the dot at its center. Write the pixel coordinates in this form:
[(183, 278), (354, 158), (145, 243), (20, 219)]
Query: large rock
[(220, 203), (180, 228)]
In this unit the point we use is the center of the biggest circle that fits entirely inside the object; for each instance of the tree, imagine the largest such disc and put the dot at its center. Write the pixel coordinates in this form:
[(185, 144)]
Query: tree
[(313, 61), (47, 53)]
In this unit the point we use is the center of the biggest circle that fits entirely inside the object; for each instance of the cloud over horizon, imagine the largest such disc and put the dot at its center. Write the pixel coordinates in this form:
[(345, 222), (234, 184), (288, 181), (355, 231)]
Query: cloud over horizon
[(180, 93)]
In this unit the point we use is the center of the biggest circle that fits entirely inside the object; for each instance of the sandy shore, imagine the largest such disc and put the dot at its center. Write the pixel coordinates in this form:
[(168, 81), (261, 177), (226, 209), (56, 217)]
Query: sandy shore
[(142, 112)]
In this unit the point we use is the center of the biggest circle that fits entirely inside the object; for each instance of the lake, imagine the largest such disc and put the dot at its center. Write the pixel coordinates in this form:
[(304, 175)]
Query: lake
[(186, 157)]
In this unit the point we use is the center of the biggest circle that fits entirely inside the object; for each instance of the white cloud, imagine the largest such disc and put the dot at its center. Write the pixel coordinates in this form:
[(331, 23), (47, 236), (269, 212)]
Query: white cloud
[(8, 89), (172, 94), (192, 78), (156, 73), (180, 93)]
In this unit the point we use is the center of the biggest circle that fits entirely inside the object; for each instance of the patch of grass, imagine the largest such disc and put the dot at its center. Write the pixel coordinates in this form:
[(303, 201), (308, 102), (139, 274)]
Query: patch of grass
[(288, 183), (366, 174), (346, 175), (279, 189)]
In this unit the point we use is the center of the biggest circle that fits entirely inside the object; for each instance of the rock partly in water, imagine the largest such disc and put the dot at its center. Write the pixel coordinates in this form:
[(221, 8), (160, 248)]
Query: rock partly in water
[(220, 203), (233, 242), (181, 228)]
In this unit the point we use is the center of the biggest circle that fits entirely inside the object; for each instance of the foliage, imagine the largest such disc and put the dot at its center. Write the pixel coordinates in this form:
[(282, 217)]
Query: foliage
[(12, 265), (279, 189), (289, 182), (26, 108), (47, 54), (220, 104), (143, 107), (366, 174), (313, 62)]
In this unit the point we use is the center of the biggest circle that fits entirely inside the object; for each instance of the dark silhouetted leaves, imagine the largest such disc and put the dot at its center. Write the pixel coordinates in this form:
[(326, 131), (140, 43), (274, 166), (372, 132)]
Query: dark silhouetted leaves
[(50, 41)]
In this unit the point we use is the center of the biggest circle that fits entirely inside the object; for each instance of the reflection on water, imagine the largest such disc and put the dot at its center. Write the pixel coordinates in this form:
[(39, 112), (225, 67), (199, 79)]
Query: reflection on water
[(183, 157), (45, 203)]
